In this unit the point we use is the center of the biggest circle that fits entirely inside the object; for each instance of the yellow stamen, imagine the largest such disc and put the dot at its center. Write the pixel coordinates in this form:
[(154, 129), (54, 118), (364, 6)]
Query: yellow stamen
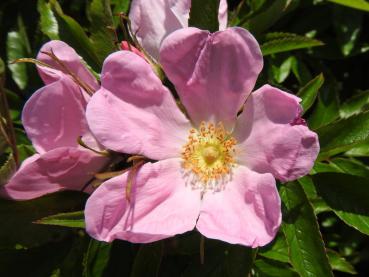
[(209, 152)]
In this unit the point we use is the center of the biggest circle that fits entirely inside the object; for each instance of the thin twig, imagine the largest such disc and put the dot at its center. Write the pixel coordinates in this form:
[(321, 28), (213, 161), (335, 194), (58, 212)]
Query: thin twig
[(81, 83), (8, 120)]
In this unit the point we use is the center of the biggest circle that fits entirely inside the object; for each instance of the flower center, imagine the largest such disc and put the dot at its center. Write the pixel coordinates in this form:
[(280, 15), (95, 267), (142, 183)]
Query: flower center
[(209, 152)]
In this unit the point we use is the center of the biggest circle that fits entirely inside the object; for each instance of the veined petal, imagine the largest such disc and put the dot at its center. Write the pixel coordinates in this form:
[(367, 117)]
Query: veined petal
[(271, 138), (134, 113), (69, 58), (54, 116), (247, 211), (160, 205), (59, 169), (153, 20), (213, 73)]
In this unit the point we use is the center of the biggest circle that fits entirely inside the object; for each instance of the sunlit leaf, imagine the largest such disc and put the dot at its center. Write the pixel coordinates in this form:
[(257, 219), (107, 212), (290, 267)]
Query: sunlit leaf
[(16, 49), (72, 33), (306, 247), (287, 42), (7, 169), (356, 4), (72, 219), (48, 22), (101, 18), (119, 6), (343, 135), (361, 150), (339, 263), (356, 104), (282, 72), (310, 91), (277, 250)]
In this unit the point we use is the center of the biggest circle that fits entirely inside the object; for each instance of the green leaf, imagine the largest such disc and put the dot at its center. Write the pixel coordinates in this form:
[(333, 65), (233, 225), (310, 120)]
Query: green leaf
[(310, 91), (277, 250), (317, 202), (301, 72), (48, 22), (148, 260), (348, 196), (7, 170), (351, 167), (15, 47), (339, 263), (119, 6), (102, 38), (281, 73), (204, 14), (72, 33), (72, 219), (343, 135), (326, 110), (268, 268), (20, 215), (354, 105), (97, 258), (267, 17), (288, 43), (361, 150), (356, 4), (306, 247)]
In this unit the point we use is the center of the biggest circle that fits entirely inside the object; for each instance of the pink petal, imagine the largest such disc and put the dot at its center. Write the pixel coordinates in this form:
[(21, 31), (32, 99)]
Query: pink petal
[(247, 211), (59, 169), (70, 59), (213, 73), (153, 20), (133, 112), (55, 115), (269, 138), (160, 206), (223, 15)]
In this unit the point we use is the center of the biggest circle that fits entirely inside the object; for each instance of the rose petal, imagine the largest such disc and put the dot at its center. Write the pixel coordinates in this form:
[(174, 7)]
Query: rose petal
[(247, 211), (213, 73), (59, 169), (223, 15), (270, 141), (134, 113), (160, 205), (70, 59), (55, 115), (153, 20)]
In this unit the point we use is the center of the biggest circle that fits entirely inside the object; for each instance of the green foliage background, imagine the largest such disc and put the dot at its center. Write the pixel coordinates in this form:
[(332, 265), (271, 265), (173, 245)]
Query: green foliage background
[(317, 49)]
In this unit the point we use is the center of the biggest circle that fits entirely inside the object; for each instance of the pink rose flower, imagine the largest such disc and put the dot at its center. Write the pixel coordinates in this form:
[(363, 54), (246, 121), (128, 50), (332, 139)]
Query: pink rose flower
[(54, 119), (153, 20), (216, 167)]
